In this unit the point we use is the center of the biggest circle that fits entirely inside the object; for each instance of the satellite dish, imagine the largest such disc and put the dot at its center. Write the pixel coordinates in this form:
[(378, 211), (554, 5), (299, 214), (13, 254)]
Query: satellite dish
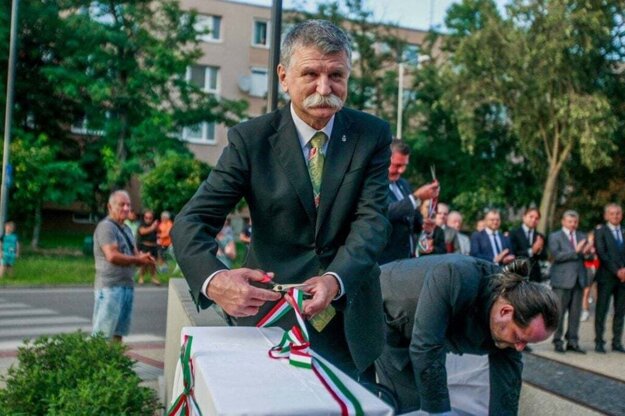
[(245, 83)]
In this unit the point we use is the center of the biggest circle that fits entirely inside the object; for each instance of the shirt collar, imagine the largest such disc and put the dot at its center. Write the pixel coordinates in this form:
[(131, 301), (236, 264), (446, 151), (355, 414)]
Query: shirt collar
[(526, 228), (491, 232), (567, 231), (614, 227), (305, 132)]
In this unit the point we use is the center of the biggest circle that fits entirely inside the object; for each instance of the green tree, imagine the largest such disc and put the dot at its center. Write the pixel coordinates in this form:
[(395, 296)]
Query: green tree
[(117, 66), (126, 65), (41, 176), (541, 72), (172, 182)]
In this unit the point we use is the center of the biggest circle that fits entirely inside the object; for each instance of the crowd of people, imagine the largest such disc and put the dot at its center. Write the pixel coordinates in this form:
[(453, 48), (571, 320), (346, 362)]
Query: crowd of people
[(394, 283)]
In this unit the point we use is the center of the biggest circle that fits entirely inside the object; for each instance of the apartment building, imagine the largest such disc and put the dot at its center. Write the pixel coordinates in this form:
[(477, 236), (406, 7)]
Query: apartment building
[(235, 61)]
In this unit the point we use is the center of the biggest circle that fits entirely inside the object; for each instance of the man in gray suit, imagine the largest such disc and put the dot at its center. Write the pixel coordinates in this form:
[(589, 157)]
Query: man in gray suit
[(463, 305), (568, 278), (321, 227)]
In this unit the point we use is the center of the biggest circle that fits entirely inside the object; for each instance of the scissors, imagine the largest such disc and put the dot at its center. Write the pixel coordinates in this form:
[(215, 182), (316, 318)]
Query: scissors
[(281, 287)]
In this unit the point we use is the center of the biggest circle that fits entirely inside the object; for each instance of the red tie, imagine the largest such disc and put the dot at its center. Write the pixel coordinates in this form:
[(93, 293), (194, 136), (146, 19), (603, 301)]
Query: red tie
[(572, 240)]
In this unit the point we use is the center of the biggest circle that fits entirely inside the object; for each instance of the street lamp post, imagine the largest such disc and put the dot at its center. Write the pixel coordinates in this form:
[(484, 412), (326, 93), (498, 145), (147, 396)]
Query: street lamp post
[(400, 100), (8, 115), (274, 55)]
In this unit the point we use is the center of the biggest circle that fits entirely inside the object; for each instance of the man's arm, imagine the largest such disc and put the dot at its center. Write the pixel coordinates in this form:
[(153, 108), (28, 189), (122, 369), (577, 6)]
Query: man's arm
[(505, 368), (427, 346), (560, 252), (477, 249), (194, 237), (116, 257)]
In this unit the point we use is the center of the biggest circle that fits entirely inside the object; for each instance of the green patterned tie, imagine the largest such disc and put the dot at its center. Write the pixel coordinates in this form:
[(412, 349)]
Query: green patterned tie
[(315, 163)]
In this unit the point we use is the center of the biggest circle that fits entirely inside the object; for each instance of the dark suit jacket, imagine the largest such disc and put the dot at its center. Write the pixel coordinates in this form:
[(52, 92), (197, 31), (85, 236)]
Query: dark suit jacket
[(439, 304), (481, 247), (520, 248), (263, 163), (611, 256), (405, 221), (567, 268)]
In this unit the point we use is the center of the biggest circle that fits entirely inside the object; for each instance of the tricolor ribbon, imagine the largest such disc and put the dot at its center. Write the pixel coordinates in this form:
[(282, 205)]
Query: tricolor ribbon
[(295, 345), (185, 404)]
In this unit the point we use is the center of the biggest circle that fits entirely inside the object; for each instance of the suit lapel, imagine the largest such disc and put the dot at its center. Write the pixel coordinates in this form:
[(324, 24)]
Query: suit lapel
[(288, 152), (338, 157)]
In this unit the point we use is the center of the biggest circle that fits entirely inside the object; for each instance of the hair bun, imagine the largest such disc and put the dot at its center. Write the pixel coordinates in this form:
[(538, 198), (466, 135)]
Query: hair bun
[(520, 267)]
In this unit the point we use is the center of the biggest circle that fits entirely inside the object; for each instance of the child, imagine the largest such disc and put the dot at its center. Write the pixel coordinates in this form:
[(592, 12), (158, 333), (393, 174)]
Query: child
[(10, 248)]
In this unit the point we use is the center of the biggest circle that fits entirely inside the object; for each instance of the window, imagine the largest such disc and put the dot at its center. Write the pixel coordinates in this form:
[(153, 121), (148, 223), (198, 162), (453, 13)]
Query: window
[(200, 133), (209, 26), (258, 87), (410, 53), (261, 33), (204, 77)]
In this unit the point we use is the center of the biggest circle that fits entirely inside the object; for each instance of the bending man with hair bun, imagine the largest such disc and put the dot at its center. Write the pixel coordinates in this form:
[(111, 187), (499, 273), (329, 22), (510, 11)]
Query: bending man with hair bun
[(461, 305)]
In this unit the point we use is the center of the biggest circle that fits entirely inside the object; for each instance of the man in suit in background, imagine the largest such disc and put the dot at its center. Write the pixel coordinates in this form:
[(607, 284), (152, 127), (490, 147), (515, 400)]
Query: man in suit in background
[(454, 220), (403, 208), (462, 305), (489, 244), (320, 226), (526, 241), (568, 278), (451, 235), (609, 242)]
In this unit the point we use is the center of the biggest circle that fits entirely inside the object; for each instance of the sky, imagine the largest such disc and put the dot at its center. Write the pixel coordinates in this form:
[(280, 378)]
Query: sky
[(416, 14)]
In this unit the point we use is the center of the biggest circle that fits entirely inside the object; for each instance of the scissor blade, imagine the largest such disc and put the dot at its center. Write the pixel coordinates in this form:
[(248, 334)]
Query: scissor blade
[(278, 287)]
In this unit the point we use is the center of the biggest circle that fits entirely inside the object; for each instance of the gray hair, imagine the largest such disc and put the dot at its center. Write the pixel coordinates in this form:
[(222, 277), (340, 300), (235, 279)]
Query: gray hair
[(611, 205), (570, 213), (322, 34), (115, 194)]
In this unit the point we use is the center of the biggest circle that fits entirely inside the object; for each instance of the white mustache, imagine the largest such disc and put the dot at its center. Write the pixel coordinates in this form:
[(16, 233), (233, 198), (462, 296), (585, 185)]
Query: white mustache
[(318, 100)]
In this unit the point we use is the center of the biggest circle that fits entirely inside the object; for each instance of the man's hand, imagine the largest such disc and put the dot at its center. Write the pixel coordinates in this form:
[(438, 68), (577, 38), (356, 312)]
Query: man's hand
[(428, 225), (427, 191), (232, 291), (580, 246), (538, 245), (144, 259), (504, 257), (323, 290)]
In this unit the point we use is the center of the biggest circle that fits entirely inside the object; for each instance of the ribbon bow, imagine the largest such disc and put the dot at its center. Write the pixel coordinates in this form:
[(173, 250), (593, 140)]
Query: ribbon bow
[(295, 346)]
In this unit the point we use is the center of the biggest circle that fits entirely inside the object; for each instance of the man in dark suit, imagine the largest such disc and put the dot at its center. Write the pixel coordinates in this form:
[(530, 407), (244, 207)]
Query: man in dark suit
[(568, 278), (452, 245), (489, 244), (323, 227), (403, 209), (609, 242), (526, 241), (459, 304)]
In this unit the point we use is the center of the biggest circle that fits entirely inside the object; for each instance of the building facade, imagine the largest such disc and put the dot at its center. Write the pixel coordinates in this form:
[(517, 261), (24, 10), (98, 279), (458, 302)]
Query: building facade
[(235, 61)]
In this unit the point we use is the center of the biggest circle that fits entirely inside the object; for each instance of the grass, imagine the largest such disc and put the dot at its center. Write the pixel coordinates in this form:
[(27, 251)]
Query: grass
[(60, 261)]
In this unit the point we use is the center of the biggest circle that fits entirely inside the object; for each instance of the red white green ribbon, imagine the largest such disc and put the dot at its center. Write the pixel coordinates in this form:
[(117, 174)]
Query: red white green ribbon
[(295, 345), (185, 404)]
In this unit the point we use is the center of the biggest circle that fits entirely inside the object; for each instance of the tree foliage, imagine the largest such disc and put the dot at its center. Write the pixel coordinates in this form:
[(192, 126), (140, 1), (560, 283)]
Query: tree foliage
[(172, 182), (117, 68), (542, 73)]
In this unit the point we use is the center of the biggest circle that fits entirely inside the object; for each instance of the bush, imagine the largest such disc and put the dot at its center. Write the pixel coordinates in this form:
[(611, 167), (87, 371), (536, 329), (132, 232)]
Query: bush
[(73, 374)]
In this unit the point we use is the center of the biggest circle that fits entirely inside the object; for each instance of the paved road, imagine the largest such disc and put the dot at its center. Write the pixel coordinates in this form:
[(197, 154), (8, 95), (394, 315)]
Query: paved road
[(28, 313)]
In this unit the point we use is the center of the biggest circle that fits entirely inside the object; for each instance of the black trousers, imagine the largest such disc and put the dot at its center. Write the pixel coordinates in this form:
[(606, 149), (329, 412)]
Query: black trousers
[(606, 289)]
